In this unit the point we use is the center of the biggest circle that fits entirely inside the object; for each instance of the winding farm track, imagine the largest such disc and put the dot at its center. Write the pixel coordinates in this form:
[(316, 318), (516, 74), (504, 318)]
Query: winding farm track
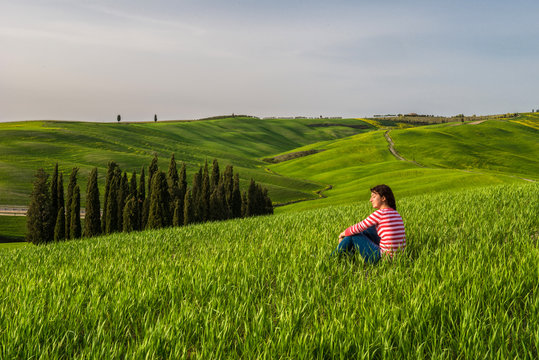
[(391, 146)]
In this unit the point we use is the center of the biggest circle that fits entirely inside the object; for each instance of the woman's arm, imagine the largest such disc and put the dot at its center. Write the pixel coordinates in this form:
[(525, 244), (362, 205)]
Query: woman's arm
[(372, 220)]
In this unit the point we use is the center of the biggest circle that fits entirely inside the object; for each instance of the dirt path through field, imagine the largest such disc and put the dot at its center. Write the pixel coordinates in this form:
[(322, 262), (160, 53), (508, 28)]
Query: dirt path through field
[(394, 152)]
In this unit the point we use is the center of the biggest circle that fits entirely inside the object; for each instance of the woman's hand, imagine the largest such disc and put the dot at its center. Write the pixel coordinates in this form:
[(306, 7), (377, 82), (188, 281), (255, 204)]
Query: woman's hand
[(341, 236)]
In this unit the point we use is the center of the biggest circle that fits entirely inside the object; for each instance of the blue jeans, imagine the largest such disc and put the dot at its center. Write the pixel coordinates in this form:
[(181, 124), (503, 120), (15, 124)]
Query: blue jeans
[(366, 243)]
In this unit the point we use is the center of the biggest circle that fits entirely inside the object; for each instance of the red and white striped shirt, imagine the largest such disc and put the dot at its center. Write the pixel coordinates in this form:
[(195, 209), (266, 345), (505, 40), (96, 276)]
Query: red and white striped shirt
[(389, 226)]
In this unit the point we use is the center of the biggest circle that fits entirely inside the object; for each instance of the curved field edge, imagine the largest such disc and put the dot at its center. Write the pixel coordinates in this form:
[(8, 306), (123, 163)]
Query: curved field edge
[(266, 287)]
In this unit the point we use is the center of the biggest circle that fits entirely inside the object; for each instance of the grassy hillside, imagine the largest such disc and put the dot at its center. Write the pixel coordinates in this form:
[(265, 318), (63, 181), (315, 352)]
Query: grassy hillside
[(27, 146), (265, 287), (494, 146), (490, 153)]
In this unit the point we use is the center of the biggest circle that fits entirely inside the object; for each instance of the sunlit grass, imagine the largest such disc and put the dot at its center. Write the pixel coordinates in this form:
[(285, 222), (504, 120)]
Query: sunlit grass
[(265, 287)]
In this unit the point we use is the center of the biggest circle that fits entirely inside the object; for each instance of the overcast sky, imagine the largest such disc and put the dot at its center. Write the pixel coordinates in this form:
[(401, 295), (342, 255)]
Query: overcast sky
[(92, 60)]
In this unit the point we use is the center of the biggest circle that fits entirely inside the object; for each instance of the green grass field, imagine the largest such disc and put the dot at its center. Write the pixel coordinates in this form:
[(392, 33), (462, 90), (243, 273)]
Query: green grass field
[(266, 287)]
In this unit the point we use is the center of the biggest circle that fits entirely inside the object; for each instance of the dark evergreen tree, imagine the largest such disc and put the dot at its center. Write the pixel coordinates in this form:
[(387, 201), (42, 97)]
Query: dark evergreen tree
[(219, 210), (145, 213), (260, 201), (141, 199), (152, 170), (111, 220), (236, 197), (228, 187), (205, 195), (61, 201), (244, 204), (54, 193), (155, 118), (182, 185), (108, 181), (39, 216), (118, 118), (177, 217), (123, 193), (75, 226), (196, 192), (69, 205), (252, 199), (133, 186), (159, 207), (183, 181), (188, 208), (130, 217), (173, 180), (92, 219), (60, 227), (268, 209), (215, 175)]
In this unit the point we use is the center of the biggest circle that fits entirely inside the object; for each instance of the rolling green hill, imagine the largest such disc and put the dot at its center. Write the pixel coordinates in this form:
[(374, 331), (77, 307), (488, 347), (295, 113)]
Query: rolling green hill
[(449, 157), (27, 146)]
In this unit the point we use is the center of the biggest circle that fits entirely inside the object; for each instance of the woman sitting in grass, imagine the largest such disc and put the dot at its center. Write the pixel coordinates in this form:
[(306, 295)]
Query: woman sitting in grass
[(382, 233)]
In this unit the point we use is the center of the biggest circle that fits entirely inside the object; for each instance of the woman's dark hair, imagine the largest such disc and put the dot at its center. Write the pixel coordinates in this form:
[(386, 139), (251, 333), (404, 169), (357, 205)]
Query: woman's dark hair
[(385, 191)]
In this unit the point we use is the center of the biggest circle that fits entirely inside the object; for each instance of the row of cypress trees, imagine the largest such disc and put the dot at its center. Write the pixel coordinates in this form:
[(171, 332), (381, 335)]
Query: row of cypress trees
[(166, 201)]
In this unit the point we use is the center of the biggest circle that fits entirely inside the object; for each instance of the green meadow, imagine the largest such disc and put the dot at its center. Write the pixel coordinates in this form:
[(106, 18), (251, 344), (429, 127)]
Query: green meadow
[(266, 287)]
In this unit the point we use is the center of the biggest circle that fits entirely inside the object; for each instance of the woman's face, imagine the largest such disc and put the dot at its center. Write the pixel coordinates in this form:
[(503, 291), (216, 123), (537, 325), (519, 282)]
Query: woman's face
[(376, 200)]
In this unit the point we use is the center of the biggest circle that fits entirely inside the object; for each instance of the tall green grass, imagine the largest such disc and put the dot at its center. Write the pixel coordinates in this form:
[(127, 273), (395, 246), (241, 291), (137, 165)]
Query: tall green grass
[(265, 287)]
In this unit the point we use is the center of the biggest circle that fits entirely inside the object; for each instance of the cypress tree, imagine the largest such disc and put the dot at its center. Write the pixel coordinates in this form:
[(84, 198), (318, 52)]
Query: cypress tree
[(123, 193), (130, 217), (188, 208), (251, 199), (39, 216), (157, 217), (260, 201), (183, 182), (145, 213), (205, 194), (228, 185), (75, 227), (152, 170), (69, 205), (92, 219), (141, 199), (268, 209), (54, 193), (61, 201), (108, 181), (236, 197), (133, 186), (111, 221), (60, 228), (173, 180), (182, 185), (244, 204), (177, 218), (133, 193), (215, 175), (196, 196)]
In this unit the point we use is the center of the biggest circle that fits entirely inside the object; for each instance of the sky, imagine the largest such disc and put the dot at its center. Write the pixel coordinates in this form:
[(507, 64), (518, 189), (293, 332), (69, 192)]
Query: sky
[(189, 59)]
